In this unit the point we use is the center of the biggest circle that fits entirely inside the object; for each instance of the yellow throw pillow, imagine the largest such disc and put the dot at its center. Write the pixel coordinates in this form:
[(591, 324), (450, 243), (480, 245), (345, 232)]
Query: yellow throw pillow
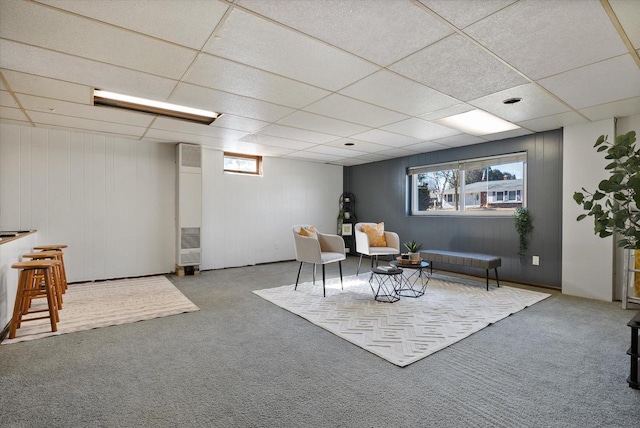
[(308, 231), (375, 234)]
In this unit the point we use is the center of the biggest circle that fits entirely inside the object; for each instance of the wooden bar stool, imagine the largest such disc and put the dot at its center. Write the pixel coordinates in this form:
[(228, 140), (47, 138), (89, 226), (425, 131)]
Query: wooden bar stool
[(30, 287), (56, 247), (58, 273)]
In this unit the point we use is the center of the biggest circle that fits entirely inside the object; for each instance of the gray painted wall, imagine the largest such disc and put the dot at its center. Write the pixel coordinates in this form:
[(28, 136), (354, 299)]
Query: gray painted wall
[(381, 193)]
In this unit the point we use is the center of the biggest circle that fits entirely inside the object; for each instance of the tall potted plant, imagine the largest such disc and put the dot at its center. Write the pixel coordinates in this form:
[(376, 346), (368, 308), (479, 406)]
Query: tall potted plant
[(614, 204)]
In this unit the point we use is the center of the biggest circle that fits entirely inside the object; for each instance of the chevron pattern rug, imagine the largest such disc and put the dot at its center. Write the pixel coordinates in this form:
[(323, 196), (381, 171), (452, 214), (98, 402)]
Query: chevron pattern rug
[(411, 328), (100, 304)]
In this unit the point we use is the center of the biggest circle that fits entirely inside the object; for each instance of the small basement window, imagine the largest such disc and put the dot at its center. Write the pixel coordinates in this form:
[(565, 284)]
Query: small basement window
[(242, 164)]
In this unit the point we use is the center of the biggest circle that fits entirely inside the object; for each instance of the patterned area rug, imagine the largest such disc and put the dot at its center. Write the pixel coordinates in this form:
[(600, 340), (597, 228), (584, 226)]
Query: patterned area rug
[(101, 304), (411, 328)]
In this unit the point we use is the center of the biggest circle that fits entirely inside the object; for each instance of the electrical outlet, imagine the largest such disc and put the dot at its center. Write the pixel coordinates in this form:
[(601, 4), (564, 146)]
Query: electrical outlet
[(536, 260)]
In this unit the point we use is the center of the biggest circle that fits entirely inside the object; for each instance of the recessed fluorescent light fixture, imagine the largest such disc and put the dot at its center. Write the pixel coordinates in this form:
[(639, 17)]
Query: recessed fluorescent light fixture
[(476, 122), (111, 99)]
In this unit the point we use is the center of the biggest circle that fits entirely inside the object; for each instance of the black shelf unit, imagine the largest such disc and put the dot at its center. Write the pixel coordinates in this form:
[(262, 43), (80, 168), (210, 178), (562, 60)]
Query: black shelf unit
[(347, 220), (634, 352)]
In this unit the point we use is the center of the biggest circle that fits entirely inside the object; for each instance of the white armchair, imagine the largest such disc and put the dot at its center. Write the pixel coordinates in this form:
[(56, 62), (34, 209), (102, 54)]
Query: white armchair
[(363, 247), (319, 250)]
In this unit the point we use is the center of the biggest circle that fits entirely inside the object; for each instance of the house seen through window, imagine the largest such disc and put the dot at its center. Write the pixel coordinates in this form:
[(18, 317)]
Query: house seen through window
[(242, 164), (486, 185)]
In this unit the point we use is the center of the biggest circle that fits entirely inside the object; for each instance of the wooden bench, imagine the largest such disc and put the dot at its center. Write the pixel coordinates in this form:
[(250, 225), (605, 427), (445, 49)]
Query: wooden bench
[(482, 261)]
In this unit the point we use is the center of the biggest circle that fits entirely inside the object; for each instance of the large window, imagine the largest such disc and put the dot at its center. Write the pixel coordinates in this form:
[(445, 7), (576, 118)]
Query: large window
[(242, 164), (487, 185)]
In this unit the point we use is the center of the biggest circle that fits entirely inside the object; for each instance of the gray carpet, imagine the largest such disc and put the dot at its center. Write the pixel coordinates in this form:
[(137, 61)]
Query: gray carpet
[(243, 362)]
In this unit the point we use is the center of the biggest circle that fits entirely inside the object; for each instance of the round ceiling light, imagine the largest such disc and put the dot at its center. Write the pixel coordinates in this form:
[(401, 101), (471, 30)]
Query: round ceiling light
[(512, 100)]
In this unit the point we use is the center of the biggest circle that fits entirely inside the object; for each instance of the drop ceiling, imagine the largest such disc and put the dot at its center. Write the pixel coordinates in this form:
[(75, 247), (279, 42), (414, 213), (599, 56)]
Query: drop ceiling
[(301, 78)]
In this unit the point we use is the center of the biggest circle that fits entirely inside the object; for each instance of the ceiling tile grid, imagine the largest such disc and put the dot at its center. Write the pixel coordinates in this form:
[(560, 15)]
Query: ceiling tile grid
[(188, 26), (339, 81)]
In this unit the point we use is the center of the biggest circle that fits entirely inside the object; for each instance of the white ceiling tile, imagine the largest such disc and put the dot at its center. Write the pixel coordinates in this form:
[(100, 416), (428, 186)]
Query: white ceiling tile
[(398, 93), (12, 114), (553, 122), (6, 100), (361, 146), (375, 157), (353, 161), (314, 122), (421, 129), (106, 114), (355, 26), (24, 22), (397, 152), (603, 82), (184, 138), (256, 149), (446, 112), (189, 26), (336, 151), (345, 108), (460, 140), (425, 147), (240, 123), (224, 102), (462, 13), (169, 124), (297, 134), (386, 138), (229, 76), (508, 134), (49, 88), (85, 124), (251, 40), (536, 102), (543, 41), (628, 107), (457, 67), (628, 13), (315, 156), (268, 140), (42, 62)]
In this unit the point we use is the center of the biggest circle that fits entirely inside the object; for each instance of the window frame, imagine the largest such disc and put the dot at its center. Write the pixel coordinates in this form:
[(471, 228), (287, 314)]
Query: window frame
[(462, 166), (256, 158)]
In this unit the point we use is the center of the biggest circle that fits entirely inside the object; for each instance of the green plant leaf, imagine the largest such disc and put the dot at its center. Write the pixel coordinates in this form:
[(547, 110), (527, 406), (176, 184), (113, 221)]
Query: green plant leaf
[(578, 197), (600, 140), (581, 217), (612, 165)]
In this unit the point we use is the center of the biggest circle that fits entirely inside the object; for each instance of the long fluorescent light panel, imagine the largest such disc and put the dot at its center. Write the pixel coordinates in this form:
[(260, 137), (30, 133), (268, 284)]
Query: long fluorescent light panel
[(128, 102), (476, 122)]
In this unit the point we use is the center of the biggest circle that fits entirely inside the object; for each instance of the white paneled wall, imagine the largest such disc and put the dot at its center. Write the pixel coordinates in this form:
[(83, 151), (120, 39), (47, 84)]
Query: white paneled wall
[(111, 200), (587, 260), (248, 219)]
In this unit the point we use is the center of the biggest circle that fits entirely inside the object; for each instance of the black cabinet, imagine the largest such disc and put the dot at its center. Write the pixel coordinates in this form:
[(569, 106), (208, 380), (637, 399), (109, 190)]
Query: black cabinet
[(346, 220), (634, 352)]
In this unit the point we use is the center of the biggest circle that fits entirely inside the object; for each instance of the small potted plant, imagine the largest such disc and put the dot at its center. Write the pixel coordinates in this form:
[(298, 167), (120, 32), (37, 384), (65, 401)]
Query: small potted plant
[(414, 249)]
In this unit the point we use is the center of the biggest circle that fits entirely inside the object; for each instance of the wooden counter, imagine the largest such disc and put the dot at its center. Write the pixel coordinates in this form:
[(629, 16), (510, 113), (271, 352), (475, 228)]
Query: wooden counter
[(6, 239), (11, 251)]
